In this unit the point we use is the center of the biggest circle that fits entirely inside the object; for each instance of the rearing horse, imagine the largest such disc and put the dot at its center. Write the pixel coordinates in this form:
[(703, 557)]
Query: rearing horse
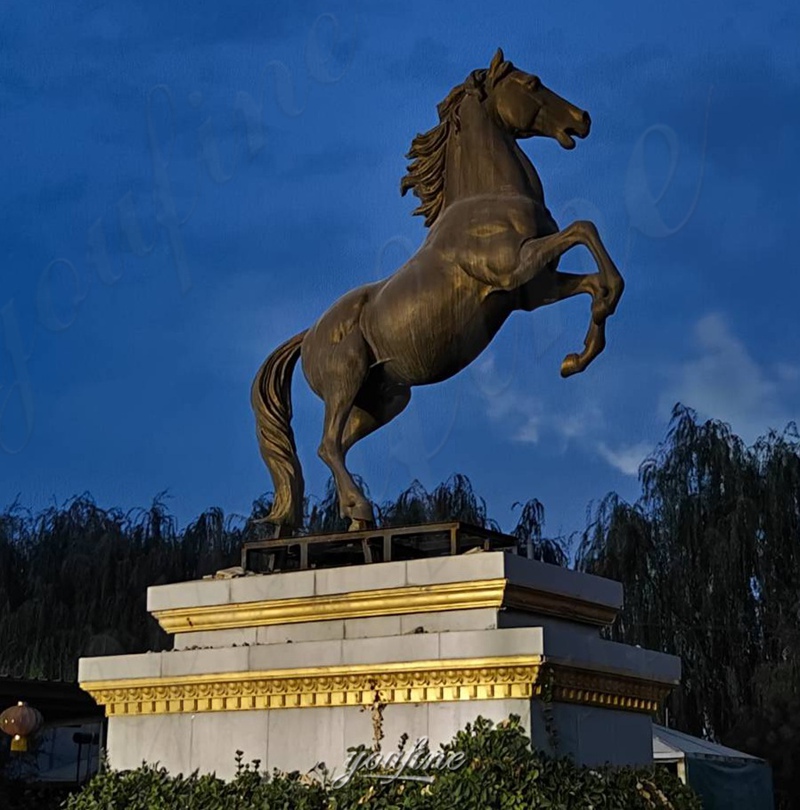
[(492, 248)]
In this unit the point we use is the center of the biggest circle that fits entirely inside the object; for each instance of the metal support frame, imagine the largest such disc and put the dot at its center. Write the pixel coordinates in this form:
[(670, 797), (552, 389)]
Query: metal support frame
[(382, 544)]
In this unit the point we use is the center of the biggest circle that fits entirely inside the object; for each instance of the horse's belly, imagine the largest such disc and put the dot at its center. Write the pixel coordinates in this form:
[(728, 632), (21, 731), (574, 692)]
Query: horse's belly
[(428, 344)]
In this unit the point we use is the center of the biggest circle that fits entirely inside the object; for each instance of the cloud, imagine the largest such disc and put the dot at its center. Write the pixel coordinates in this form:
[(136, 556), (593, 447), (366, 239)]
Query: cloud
[(521, 412), (626, 458), (724, 381), (529, 418)]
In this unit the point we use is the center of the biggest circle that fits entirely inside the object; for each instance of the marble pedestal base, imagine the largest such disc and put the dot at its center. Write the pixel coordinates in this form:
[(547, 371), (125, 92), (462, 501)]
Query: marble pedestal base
[(294, 668)]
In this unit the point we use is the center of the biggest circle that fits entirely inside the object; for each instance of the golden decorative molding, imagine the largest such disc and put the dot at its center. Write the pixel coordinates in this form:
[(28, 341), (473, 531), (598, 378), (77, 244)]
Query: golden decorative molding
[(392, 683), (355, 685), (592, 688), (548, 603), (352, 605), (486, 593)]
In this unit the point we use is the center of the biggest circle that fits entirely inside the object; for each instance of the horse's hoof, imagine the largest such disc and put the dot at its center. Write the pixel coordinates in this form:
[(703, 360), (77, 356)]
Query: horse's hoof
[(570, 365), (360, 510), (357, 525)]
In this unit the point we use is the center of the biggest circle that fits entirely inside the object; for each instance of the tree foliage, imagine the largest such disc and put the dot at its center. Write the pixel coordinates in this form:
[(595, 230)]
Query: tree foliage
[(710, 560), (709, 556), (74, 579)]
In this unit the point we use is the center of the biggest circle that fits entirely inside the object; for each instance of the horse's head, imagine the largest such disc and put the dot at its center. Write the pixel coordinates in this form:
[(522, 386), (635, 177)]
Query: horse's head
[(525, 107)]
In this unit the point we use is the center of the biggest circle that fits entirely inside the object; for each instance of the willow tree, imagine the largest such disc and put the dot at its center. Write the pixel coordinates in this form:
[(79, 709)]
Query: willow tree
[(710, 560), (73, 579)]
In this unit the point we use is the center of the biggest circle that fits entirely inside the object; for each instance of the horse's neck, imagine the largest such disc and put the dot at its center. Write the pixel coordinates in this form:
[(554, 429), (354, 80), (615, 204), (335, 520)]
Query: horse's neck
[(484, 159), (532, 175)]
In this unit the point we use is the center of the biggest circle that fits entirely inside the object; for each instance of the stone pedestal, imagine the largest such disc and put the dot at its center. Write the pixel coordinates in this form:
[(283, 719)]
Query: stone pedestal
[(294, 668)]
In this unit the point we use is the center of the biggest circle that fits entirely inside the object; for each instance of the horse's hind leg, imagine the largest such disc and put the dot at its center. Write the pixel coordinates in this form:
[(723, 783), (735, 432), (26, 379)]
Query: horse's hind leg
[(374, 408), (346, 369)]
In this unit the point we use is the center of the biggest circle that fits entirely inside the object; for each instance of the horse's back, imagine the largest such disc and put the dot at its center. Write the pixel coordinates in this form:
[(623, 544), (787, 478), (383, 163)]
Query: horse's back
[(435, 315)]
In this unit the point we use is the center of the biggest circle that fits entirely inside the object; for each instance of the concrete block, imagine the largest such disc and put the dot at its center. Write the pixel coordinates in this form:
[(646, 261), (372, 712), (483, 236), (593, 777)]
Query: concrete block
[(489, 643), (300, 738), (301, 631), (445, 719), (203, 662), (373, 626), (450, 621), (267, 587), (119, 667), (359, 578), (382, 650), (404, 718), (217, 736), (198, 593), (216, 638), (165, 739), (462, 568), (517, 618), (358, 729), (568, 646), (555, 579), (296, 656), (593, 735)]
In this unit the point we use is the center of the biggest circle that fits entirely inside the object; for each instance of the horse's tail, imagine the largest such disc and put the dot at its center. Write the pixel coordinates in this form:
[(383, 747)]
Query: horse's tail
[(271, 397)]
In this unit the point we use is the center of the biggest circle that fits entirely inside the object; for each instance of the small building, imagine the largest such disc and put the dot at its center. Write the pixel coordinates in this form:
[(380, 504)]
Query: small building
[(724, 779)]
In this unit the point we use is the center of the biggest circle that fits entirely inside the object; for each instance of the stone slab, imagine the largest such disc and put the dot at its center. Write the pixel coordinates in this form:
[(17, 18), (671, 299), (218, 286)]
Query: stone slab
[(437, 622), (299, 739), (562, 646), (517, 570), (594, 735)]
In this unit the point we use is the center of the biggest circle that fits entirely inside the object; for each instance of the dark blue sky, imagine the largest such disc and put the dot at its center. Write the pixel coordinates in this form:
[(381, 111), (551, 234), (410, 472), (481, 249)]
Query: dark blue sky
[(186, 184)]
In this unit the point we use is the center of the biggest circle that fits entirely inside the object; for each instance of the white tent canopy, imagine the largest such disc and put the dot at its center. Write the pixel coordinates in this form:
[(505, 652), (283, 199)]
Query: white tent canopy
[(721, 776), (674, 746)]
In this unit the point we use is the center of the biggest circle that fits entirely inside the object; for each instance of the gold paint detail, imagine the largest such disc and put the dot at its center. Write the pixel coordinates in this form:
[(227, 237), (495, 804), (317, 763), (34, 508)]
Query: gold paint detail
[(609, 690), (486, 593), (548, 603), (505, 677), (484, 230), (356, 685)]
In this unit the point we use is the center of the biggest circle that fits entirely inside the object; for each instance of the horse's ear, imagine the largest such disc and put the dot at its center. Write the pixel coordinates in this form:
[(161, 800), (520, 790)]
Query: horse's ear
[(474, 85), (497, 61)]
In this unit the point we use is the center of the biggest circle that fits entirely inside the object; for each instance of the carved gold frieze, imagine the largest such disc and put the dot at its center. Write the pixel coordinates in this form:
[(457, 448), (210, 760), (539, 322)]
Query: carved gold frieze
[(393, 683), (412, 682)]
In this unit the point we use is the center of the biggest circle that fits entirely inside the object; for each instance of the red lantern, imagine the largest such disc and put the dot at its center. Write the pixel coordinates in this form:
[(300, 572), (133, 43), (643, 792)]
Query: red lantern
[(20, 722)]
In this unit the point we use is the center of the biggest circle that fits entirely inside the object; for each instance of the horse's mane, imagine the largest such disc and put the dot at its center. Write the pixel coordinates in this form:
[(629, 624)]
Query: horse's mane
[(425, 176)]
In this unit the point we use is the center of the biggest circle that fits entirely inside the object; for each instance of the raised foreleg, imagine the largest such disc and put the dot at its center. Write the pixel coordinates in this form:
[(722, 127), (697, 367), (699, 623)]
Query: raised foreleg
[(552, 287), (537, 254), (546, 286)]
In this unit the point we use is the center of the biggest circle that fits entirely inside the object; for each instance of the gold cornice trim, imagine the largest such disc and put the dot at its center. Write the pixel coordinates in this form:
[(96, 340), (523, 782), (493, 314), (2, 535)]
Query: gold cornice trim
[(352, 605), (361, 685), (517, 597), (486, 593), (610, 690), (354, 685)]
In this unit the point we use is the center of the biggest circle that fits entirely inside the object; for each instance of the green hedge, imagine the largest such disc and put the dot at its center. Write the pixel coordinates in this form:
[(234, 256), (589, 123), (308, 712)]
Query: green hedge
[(500, 771)]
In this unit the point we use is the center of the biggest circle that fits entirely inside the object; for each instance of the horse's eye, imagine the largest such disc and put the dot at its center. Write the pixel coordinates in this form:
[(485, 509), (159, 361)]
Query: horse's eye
[(534, 83)]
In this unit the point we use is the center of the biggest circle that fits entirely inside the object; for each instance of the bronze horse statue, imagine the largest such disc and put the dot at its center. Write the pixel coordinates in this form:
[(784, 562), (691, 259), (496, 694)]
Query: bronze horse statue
[(492, 248)]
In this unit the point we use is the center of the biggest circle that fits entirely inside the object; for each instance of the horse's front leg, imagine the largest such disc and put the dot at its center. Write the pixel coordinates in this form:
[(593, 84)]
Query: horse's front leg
[(605, 287), (550, 288), (536, 254)]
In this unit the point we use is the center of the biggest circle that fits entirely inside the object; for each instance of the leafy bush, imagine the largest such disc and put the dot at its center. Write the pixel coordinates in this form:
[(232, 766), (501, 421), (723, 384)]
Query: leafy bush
[(500, 771)]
